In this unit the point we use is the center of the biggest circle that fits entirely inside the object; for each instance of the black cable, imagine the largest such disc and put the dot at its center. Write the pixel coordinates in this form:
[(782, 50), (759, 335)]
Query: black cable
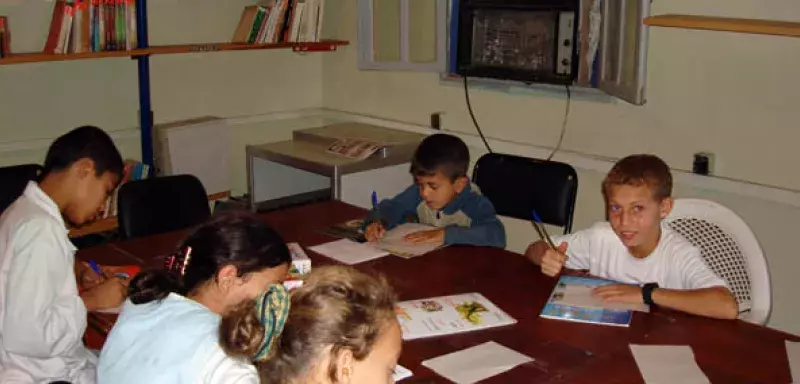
[(472, 115), (564, 126)]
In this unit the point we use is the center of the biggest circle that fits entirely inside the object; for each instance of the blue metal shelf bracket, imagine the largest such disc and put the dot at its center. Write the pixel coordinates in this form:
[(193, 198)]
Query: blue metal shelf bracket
[(145, 107)]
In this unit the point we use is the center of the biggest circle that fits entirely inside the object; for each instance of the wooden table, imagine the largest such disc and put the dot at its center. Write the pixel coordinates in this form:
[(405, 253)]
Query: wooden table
[(565, 352)]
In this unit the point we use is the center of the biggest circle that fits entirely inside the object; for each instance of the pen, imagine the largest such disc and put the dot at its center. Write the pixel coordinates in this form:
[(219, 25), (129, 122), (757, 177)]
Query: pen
[(537, 223), (375, 206), (97, 269)]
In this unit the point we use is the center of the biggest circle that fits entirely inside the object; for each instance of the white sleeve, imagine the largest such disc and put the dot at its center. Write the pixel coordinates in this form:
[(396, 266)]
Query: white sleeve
[(579, 248), (696, 274), (40, 319), (226, 370)]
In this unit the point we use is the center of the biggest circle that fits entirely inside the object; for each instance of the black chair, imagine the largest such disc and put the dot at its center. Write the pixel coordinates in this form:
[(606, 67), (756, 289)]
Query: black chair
[(13, 180), (161, 204), (517, 186)]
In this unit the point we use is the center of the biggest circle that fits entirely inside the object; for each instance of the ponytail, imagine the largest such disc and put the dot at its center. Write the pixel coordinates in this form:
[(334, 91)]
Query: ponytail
[(253, 327), (153, 286), (158, 284)]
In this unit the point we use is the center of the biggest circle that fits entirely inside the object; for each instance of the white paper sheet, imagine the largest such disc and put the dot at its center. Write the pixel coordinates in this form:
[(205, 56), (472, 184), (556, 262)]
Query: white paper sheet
[(793, 355), (394, 241), (668, 364), (348, 251), (401, 373), (477, 363)]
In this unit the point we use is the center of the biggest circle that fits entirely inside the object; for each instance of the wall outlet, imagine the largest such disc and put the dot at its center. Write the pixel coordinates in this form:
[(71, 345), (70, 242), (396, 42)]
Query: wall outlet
[(436, 120), (703, 163)]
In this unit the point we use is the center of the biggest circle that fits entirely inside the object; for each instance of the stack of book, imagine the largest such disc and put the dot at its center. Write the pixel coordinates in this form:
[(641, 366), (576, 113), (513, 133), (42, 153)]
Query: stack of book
[(5, 38), (80, 26), (281, 21)]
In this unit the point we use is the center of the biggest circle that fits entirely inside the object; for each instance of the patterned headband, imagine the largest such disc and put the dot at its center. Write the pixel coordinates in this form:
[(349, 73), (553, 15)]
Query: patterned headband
[(272, 308)]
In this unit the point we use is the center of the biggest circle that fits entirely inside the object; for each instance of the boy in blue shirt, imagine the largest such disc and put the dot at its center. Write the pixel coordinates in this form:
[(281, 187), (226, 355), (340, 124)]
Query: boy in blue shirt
[(442, 196)]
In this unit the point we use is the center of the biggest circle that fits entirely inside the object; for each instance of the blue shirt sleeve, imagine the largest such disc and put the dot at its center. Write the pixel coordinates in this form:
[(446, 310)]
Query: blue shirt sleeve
[(392, 212), (485, 228)]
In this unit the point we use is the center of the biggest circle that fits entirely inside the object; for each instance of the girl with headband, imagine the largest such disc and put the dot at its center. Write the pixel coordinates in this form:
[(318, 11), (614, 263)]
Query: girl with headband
[(168, 330), (341, 329)]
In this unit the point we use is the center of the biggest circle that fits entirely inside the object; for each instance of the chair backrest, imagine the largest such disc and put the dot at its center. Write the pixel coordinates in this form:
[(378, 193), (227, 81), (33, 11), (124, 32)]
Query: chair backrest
[(13, 180), (161, 204), (517, 186), (730, 249)]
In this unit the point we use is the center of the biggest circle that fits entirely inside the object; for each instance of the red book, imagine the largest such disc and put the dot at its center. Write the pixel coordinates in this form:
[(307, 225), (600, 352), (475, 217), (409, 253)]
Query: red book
[(59, 11), (5, 37), (110, 21)]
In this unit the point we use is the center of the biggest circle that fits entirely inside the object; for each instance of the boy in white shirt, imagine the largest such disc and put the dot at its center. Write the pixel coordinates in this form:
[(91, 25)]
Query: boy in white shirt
[(42, 315), (635, 247)]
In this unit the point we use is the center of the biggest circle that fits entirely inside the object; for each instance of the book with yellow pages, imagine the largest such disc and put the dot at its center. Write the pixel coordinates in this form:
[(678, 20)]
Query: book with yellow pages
[(448, 315)]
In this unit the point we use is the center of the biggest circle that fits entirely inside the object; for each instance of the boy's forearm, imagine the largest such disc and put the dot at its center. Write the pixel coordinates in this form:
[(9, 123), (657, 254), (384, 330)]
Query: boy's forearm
[(716, 302), (536, 251), (488, 234)]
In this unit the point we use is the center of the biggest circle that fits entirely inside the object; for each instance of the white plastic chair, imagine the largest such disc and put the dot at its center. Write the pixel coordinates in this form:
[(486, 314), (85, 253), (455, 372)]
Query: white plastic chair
[(731, 250)]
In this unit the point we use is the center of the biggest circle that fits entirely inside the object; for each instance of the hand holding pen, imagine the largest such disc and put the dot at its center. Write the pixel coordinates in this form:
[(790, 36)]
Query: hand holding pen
[(553, 258), (375, 230), (102, 294)]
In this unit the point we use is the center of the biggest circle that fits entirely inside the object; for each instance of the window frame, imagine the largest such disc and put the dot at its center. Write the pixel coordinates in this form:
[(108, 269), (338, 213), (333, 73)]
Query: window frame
[(366, 51), (447, 43)]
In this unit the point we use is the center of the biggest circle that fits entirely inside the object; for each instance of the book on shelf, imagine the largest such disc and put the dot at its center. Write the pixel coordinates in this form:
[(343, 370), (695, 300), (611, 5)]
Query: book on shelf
[(572, 300), (134, 170), (280, 21), (446, 315), (5, 37), (80, 26)]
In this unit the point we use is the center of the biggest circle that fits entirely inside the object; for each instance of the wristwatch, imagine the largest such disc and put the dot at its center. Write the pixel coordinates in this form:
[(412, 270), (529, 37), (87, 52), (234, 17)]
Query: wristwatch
[(647, 293)]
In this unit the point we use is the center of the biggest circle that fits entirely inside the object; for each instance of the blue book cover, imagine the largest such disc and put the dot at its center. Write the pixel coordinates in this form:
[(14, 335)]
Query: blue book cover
[(572, 300)]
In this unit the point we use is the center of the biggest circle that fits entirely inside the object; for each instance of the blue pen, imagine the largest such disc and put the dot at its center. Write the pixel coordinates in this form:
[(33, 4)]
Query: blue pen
[(375, 205), (97, 269), (537, 223)]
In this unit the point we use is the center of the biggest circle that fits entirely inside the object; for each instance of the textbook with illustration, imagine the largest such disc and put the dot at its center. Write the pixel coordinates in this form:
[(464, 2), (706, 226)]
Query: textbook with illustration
[(447, 315), (350, 229), (572, 300), (394, 241)]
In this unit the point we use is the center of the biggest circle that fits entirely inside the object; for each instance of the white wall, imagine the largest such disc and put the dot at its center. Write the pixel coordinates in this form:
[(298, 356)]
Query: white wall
[(730, 94), (40, 101)]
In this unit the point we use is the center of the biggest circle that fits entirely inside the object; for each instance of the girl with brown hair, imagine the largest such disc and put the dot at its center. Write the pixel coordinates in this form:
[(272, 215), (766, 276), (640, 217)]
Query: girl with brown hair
[(341, 329)]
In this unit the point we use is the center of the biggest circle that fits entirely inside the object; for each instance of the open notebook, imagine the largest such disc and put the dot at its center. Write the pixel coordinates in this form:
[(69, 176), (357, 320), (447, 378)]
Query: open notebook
[(394, 241)]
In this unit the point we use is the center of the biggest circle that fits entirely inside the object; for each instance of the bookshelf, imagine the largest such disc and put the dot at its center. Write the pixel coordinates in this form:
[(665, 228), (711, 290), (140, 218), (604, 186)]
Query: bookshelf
[(142, 55), (753, 26), (38, 57)]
